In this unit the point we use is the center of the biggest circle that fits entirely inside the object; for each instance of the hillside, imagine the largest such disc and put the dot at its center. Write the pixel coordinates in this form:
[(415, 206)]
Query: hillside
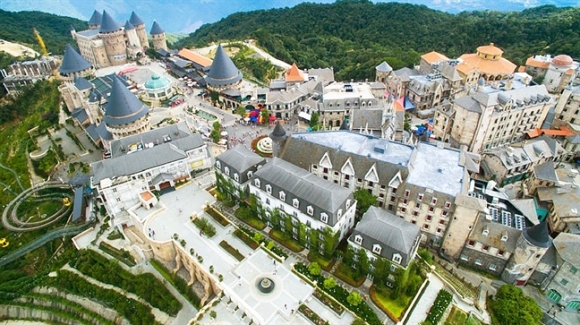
[(55, 30), (355, 36)]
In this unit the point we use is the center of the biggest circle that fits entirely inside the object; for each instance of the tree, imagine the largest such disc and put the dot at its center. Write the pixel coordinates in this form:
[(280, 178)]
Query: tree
[(241, 111), (265, 115), (354, 299), (314, 268), (511, 307), (314, 118), (214, 95), (329, 283), (363, 261), (364, 200)]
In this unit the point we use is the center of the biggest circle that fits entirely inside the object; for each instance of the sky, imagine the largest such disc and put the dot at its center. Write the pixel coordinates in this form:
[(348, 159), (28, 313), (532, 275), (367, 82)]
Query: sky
[(185, 16)]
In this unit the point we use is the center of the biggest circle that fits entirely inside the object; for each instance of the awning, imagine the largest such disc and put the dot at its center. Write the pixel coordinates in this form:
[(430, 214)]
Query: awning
[(304, 115)]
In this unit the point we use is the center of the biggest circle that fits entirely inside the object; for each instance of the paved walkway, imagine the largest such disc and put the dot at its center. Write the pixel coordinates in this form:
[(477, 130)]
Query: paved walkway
[(426, 301)]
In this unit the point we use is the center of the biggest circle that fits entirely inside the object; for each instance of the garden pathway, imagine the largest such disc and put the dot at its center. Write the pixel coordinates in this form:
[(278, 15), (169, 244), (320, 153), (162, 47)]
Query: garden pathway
[(426, 301)]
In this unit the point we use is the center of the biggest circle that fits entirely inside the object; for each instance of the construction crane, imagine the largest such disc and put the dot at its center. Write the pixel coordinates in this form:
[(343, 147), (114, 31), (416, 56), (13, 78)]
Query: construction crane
[(40, 42)]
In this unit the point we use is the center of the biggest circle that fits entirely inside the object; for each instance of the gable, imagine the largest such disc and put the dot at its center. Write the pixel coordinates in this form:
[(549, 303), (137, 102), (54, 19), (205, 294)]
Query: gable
[(325, 161), (347, 168), (372, 175)]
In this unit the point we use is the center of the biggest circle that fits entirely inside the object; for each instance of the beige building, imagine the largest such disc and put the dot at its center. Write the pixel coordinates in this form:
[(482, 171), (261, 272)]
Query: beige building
[(568, 106), (489, 117), (486, 63), (563, 201), (554, 72), (158, 37)]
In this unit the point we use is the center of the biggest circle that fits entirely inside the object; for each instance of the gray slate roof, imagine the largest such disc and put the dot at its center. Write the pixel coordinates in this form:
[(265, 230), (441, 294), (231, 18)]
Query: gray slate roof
[(123, 106), (96, 18), (108, 24), (223, 70), (568, 246), (278, 134), (82, 83), (135, 20), (158, 136), (573, 138), (384, 67), (546, 171), (322, 195), (240, 159), (140, 161), (72, 61), (393, 234), (367, 118), (129, 26), (469, 104), (538, 235), (156, 29)]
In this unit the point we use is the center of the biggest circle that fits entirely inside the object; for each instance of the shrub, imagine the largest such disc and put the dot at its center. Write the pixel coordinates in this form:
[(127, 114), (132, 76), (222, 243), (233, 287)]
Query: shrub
[(440, 304)]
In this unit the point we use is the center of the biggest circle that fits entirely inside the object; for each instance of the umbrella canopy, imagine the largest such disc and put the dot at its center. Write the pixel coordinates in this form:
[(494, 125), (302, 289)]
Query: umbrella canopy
[(272, 118), (224, 133)]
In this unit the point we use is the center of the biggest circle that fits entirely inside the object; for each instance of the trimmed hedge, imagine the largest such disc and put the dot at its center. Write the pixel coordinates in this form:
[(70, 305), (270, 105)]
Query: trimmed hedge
[(439, 306)]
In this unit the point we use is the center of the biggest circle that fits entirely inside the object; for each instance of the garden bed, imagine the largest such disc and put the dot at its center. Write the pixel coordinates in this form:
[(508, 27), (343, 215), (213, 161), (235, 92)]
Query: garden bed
[(205, 227), (285, 239), (337, 308), (325, 264), (122, 255), (245, 214), (233, 251), (345, 273), (246, 239), (217, 216), (456, 317), (311, 315)]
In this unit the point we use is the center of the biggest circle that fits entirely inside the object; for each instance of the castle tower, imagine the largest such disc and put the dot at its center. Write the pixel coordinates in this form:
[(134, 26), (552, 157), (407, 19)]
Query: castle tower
[(95, 21), (125, 114), (556, 77), (223, 73), (531, 246), (113, 38), (139, 25), (158, 37), (131, 35), (383, 71), (74, 65), (278, 137)]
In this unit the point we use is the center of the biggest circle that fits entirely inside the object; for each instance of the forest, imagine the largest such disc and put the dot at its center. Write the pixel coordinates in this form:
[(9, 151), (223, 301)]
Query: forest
[(354, 36)]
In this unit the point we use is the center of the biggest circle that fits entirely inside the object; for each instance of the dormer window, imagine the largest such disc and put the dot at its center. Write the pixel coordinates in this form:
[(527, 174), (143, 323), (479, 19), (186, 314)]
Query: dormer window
[(339, 213), (358, 239), (348, 203), (504, 237), (397, 258), (309, 210), (268, 189), (218, 164), (237, 177), (324, 217), (257, 183), (282, 196), (227, 171), (295, 203), (250, 174), (485, 231), (377, 248)]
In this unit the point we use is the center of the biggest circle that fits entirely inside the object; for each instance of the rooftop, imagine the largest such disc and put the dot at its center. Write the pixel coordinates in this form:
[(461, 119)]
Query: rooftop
[(223, 71), (73, 62), (149, 139), (438, 169)]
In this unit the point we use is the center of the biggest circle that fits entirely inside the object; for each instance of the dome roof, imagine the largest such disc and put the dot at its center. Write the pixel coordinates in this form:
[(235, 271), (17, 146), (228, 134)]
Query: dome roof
[(156, 29), (538, 235), (72, 61), (223, 71), (123, 106), (156, 82), (562, 60), (490, 49), (96, 18), (135, 20), (108, 24)]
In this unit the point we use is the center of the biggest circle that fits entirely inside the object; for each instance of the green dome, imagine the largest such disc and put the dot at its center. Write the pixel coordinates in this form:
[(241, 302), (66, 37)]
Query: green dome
[(156, 82)]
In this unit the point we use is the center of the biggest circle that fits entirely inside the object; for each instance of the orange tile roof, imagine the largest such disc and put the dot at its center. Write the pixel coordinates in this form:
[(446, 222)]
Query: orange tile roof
[(194, 57), (146, 196), (399, 104), (433, 57), (490, 67), (521, 68), (293, 74), (531, 62), (490, 49), (563, 132)]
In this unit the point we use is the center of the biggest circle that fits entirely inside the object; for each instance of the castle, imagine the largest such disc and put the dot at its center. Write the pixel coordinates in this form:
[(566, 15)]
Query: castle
[(108, 43)]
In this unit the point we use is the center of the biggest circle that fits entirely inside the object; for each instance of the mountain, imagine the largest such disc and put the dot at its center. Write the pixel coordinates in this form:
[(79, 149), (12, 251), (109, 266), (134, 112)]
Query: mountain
[(54, 30), (355, 36), (185, 16)]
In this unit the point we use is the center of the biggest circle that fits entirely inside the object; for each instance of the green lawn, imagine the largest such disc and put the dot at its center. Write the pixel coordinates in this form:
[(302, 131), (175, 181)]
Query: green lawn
[(285, 239), (456, 317), (393, 306), (471, 320)]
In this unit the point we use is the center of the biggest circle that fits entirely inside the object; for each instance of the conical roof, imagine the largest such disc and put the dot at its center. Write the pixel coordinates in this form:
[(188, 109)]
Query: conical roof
[(293, 74), (384, 67), (96, 18), (344, 125), (108, 24), (129, 26), (222, 71), (135, 20), (123, 106), (72, 61), (538, 235), (279, 134), (156, 29)]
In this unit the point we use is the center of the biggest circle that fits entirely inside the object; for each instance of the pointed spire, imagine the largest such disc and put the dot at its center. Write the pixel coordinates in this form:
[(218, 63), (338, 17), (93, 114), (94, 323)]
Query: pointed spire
[(156, 29), (293, 74), (108, 24), (384, 67), (123, 106), (135, 20), (129, 26), (344, 126), (538, 235), (279, 134), (96, 18), (223, 71), (72, 61)]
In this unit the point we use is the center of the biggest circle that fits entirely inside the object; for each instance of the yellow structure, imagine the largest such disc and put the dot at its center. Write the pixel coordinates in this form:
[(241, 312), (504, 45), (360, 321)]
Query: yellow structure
[(66, 202), (40, 42)]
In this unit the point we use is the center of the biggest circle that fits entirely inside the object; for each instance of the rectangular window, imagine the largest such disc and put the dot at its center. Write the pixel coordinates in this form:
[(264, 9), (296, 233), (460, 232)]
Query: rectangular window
[(493, 267), (464, 257), (564, 282), (478, 262), (407, 192), (573, 270), (470, 243), (420, 197)]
